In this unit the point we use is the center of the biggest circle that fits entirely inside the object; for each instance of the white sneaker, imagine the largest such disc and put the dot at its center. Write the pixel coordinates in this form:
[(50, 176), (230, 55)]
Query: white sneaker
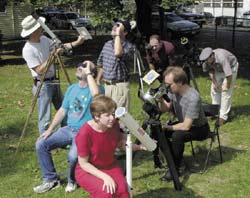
[(46, 186), (70, 187)]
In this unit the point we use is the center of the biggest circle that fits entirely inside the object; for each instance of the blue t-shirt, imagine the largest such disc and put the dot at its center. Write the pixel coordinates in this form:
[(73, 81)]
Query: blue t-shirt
[(77, 101)]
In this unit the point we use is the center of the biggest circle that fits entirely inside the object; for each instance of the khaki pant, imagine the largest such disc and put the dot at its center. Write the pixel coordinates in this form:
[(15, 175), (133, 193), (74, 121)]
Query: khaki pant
[(224, 98), (120, 93)]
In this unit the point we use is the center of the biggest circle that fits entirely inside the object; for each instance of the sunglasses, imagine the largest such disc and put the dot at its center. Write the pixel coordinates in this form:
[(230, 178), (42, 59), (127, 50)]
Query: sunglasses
[(82, 65)]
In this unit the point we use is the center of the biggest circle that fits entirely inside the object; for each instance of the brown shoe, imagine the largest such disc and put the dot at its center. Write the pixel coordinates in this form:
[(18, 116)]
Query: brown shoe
[(221, 121)]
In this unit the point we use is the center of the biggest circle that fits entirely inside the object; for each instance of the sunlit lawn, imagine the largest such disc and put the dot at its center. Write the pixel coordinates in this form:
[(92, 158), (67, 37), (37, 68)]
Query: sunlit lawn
[(20, 173)]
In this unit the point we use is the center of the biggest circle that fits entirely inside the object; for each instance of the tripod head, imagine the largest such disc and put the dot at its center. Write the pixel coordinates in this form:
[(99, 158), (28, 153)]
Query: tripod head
[(155, 92), (192, 52)]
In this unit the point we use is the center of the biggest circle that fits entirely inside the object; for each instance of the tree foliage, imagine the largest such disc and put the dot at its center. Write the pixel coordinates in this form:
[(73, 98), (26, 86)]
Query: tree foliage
[(105, 11)]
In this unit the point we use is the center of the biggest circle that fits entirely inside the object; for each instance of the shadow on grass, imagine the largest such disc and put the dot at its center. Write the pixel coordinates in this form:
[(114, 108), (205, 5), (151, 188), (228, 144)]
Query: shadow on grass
[(238, 111), (195, 164), (12, 61), (168, 192)]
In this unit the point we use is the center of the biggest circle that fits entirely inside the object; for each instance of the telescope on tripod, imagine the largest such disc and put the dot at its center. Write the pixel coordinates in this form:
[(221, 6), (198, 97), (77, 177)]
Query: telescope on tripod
[(54, 55), (191, 58), (150, 106)]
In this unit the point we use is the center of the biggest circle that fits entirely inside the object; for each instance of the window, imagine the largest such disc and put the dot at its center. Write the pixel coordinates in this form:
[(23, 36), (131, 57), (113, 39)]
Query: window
[(208, 5), (3, 4), (228, 5), (216, 5), (240, 5)]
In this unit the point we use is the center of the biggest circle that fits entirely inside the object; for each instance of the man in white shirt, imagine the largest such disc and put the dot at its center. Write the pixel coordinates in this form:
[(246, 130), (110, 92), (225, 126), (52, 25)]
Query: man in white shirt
[(222, 66), (36, 53)]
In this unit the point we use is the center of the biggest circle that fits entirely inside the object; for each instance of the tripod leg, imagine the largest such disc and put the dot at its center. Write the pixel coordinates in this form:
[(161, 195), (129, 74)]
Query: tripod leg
[(49, 62), (63, 69), (193, 78), (165, 147), (157, 161)]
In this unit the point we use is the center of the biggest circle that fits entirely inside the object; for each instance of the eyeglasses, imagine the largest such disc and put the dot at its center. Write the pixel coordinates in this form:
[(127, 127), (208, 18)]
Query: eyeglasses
[(168, 86)]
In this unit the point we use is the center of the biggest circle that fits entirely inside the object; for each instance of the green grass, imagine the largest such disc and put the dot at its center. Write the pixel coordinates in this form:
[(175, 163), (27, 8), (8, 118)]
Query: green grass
[(20, 173)]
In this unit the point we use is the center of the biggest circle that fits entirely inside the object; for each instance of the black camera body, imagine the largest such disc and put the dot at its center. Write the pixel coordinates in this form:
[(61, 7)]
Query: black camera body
[(149, 47), (151, 99)]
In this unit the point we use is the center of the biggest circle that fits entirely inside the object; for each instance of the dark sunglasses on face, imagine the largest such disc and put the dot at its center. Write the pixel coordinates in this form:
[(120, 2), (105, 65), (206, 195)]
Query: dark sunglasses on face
[(82, 65)]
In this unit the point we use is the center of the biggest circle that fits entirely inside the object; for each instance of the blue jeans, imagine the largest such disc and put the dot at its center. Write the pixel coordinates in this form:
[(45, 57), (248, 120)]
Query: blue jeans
[(49, 93), (59, 139)]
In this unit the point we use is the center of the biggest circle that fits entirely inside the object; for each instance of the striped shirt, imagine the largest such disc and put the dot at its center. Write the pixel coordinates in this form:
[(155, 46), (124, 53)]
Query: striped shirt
[(115, 68)]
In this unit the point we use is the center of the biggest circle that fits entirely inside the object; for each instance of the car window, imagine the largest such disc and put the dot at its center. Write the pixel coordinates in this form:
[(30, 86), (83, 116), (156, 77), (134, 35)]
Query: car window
[(62, 17), (172, 18), (72, 16)]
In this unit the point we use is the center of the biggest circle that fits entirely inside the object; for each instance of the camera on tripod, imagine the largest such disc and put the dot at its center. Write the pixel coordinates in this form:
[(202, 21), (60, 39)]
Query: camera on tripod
[(149, 47), (192, 52), (155, 92)]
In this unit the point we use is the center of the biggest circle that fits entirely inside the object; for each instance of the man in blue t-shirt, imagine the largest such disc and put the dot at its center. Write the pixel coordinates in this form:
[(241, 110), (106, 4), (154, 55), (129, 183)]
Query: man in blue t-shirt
[(76, 107)]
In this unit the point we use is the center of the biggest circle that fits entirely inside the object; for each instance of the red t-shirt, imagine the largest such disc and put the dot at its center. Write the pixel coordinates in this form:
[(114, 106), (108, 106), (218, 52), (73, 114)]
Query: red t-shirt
[(99, 146)]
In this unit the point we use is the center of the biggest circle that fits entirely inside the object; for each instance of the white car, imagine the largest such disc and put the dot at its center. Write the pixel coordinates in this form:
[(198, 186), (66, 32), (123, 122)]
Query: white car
[(70, 20), (177, 26)]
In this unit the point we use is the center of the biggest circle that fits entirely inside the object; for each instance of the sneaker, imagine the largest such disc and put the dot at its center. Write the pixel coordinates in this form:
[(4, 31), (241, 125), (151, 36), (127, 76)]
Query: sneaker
[(70, 187), (46, 186)]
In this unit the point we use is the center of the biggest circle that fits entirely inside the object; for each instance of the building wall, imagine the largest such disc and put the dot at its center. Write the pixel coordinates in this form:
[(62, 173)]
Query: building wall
[(226, 7), (11, 18)]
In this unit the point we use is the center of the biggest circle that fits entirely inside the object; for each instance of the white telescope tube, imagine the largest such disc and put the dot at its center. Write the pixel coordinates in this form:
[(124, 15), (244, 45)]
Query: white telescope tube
[(129, 163), (135, 128), (50, 33)]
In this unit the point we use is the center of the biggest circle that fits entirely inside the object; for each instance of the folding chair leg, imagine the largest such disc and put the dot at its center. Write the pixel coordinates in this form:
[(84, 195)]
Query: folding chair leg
[(207, 157), (218, 138), (192, 147)]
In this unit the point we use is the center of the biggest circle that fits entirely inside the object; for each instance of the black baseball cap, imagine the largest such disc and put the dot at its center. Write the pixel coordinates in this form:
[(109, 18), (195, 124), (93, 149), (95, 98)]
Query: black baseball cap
[(126, 24)]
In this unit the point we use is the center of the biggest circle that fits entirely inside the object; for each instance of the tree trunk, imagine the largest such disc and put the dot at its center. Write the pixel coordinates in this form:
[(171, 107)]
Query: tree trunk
[(143, 17)]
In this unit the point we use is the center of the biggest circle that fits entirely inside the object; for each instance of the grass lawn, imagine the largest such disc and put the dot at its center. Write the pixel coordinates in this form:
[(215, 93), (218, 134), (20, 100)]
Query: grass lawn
[(20, 173)]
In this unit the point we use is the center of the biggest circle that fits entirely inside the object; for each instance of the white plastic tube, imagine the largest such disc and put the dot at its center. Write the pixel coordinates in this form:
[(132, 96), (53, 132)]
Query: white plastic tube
[(50, 33), (129, 164), (135, 128)]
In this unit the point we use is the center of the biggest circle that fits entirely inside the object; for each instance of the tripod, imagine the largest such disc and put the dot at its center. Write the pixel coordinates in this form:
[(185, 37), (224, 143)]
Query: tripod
[(50, 60), (153, 123), (188, 69), (138, 63), (191, 58)]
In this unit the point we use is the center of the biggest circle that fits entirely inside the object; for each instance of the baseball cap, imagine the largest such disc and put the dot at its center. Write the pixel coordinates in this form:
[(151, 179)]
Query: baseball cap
[(126, 24), (205, 53)]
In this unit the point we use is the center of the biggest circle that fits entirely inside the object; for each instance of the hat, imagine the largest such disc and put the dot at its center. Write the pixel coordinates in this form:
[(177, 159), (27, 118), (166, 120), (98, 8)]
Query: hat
[(29, 25), (126, 24), (205, 53)]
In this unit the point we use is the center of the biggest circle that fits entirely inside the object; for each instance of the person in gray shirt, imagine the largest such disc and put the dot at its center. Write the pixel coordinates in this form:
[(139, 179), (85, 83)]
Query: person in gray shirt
[(185, 103)]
